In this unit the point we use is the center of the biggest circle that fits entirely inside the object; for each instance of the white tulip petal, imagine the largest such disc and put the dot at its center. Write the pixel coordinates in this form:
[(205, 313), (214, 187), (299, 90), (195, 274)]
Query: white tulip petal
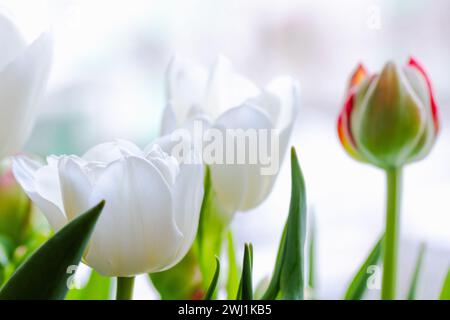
[(187, 196), (165, 142), (13, 42), (168, 144), (241, 186), (184, 144), (42, 186), (186, 87), (112, 151), (268, 102), (53, 160), (286, 90), (48, 186), (21, 86), (75, 187), (226, 88), (166, 164), (246, 116), (136, 232)]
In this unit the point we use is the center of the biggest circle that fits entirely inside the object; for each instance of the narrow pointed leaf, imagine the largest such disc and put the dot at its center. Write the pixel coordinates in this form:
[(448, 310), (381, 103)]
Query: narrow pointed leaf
[(445, 293), (358, 286), (288, 279), (212, 229), (233, 278), (206, 196), (246, 286), (274, 284), (44, 275), (312, 253), (212, 287), (412, 292), (239, 293), (292, 282)]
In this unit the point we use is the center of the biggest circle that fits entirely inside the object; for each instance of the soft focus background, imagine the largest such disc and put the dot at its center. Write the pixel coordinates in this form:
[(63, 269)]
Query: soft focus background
[(108, 82)]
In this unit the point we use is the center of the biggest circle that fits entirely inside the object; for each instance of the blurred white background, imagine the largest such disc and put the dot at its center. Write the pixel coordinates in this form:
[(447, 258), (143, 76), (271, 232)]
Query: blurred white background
[(108, 82)]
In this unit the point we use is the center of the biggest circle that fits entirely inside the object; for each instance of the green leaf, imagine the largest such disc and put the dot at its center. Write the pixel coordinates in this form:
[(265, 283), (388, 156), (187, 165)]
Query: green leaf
[(239, 293), (358, 286), (212, 287), (445, 293), (233, 278), (274, 284), (205, 203), (213, 224), (312, 253), (44, 275), (415, 277), (98, 287), (292, 282), (246, 285), (288, 277)]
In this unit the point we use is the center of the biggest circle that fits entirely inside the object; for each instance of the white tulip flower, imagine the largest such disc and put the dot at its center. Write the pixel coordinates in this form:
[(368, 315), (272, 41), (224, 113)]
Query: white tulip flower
[(152, 203), (24, 71), (224, 100)]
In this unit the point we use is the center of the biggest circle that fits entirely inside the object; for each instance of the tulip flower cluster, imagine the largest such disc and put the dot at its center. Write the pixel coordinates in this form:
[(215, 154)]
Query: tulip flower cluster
[(150, 199), (223, 99), (125, 211)]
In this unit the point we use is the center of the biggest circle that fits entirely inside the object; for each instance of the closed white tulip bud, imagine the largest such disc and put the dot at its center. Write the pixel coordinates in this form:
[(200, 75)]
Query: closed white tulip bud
[(24, 71), (223, 100), (152, 208)]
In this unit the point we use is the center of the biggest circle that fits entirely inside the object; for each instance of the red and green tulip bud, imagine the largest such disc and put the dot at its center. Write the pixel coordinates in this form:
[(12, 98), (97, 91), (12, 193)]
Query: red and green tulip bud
[(389, 119)]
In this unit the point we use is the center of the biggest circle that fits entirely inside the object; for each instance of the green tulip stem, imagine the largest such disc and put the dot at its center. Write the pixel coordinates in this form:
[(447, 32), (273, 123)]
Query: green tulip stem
[(388, 288), (124, 288)]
